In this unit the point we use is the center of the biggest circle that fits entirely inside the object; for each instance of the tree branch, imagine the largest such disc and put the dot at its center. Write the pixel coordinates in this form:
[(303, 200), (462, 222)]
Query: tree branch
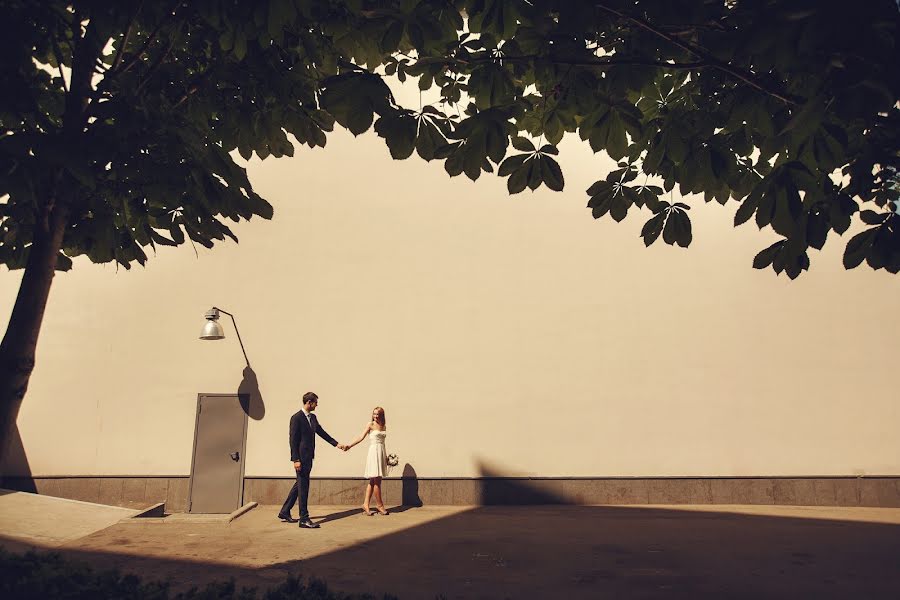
[(194, 87), (745, 76), (151, 38), (126, 37), (600, 63), (687, 29), (160, 60), (57, 51)]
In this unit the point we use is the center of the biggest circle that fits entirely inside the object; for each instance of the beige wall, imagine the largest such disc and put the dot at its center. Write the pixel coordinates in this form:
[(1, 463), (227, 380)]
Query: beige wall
[(509, 335)]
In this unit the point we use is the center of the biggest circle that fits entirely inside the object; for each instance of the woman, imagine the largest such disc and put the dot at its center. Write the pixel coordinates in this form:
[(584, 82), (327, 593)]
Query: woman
[(376, 461)]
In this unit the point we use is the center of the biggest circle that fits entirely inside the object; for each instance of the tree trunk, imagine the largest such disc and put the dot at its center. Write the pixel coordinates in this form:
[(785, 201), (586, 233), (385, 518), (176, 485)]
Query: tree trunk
[(17, 349)]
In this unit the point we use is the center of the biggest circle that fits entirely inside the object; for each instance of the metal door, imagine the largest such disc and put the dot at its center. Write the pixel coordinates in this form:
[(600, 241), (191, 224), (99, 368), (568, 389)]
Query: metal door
[(217, 466)]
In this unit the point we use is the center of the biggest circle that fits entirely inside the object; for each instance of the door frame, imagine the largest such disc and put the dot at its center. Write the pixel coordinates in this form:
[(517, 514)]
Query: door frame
[(242, 400)]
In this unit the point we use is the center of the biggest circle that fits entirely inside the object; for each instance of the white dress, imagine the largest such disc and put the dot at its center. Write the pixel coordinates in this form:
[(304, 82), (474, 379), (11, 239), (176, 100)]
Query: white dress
[(376, 461)]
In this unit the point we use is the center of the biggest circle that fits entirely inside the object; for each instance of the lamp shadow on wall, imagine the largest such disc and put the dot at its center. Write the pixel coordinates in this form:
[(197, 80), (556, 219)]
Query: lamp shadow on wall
[(251, 398)]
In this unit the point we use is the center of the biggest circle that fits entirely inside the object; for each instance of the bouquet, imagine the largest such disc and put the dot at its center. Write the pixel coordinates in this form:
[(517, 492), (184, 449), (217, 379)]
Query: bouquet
[(392, 461)]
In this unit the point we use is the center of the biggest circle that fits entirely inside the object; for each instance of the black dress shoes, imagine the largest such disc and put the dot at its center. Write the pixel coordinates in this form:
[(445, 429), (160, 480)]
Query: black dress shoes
[(287, 518), (307, 524)]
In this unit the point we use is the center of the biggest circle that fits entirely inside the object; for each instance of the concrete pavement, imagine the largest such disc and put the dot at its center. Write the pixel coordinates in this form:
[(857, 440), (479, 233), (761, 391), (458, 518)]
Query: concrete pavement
[(526, 551), (51, 522)]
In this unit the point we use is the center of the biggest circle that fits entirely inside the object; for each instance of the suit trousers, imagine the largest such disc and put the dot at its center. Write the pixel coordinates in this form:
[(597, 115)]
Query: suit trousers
[(301, 485)]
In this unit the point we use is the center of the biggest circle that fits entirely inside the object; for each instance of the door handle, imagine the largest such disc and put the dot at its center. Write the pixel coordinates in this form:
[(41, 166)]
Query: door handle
[(235, 456)]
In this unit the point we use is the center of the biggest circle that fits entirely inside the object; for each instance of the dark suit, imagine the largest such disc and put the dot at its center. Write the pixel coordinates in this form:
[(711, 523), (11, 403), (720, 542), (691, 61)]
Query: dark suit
[(303, 448)]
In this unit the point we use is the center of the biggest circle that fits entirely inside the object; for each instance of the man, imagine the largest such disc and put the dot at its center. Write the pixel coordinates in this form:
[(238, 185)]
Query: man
[(304, 428)]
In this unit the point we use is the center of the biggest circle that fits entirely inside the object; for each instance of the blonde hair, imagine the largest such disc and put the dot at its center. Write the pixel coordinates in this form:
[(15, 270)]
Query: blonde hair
[(383, 417)]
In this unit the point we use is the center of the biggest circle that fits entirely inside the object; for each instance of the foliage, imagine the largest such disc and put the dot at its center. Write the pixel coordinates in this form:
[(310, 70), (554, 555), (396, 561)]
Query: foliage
[(41, 575), (787, 109)]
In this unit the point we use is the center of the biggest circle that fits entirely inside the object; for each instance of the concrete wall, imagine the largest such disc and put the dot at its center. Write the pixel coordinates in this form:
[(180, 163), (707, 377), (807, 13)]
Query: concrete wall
[(505, 336)]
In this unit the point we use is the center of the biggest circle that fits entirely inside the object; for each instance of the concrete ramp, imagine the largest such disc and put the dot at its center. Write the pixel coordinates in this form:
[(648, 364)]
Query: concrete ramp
[(47, 521)]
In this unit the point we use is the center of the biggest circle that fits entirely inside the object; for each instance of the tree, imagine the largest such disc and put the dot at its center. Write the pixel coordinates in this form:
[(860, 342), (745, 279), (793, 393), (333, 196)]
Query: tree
[(120, 120)]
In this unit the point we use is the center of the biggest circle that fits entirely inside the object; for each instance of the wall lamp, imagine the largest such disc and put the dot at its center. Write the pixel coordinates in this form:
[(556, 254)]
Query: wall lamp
[(212, 330)]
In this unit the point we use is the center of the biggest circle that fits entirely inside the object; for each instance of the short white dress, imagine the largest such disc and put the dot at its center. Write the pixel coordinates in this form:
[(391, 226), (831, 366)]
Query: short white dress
[(376, 461)]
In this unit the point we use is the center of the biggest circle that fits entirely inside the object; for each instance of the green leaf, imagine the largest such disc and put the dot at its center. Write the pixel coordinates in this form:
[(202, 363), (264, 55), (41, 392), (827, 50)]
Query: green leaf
[(399, 131), (511, 164), (766, 210), (551, 174), (353, 98), (765, 257), (653, 227), (390, 42), (553, 128), (240, 45), (857, 248), (806, 120), (518, 180), (454, 164), (649, 196), (817, 228), (429, 138), (870, 217), (491, 85), (619, 207), (682, 227), (522, 144), (616, 141), (788, 208), (534, 174), (841, 209), (473, 159), (601, 198), (161, 239), (598, 187)]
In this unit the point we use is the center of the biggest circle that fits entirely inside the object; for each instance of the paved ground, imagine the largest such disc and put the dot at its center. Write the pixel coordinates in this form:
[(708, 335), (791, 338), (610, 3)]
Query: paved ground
[(52, 521), (527, 552)]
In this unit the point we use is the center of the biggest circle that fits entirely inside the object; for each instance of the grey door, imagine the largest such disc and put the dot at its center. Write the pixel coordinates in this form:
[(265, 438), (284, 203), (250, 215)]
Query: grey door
[(217, 467)]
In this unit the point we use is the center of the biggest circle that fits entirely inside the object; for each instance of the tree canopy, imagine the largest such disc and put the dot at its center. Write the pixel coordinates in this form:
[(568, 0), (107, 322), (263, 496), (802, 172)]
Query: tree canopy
[(119, 121), (785, 109)]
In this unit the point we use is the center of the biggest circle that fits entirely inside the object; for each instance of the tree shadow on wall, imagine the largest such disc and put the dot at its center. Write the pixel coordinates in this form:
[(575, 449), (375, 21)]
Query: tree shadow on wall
[(15, 472), (495, 489)]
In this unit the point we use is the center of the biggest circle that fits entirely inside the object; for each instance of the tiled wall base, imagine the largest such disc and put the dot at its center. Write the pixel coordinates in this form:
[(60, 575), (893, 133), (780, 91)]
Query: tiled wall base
[(811, 491), (130, 492), (851, 491)]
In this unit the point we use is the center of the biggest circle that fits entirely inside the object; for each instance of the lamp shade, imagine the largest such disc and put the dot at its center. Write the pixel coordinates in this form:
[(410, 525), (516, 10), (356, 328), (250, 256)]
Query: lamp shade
[(212, 330)]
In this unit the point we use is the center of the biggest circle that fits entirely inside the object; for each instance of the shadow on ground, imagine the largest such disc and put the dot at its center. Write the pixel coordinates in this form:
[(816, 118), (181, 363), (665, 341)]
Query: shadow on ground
[(531, 552)]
